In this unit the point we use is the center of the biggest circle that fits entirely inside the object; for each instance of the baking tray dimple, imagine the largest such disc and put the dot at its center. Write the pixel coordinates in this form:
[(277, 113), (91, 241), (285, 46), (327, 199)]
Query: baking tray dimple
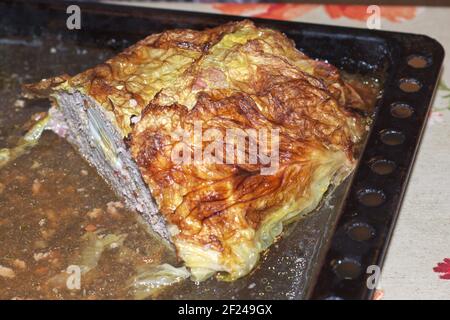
[(324, 255)]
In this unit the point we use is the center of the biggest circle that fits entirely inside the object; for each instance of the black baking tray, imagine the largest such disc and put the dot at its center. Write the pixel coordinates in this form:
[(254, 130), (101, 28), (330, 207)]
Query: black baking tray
[(325, 255)]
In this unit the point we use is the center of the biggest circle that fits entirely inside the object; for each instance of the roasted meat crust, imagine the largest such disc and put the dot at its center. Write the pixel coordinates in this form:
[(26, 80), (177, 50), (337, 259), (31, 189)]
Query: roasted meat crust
[(204, 200), (236, 76), (262, 82)]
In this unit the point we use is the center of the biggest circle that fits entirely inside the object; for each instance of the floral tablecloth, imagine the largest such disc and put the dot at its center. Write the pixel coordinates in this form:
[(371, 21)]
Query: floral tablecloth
[(418, 263)]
